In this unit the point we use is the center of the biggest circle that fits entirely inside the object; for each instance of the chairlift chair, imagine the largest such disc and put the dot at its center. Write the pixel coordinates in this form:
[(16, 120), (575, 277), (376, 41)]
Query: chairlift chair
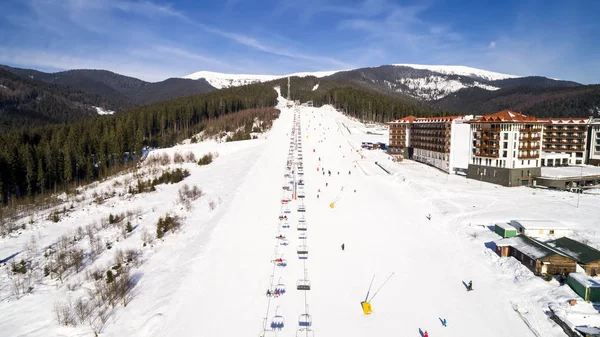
[(303, 284), (287, 211), (281, 287), (285, 225), (301, 194), (305, 320), (302, 226), (302, 249), (284, 242), (302, 219), (302, 236), (301, 208), (277, 322)]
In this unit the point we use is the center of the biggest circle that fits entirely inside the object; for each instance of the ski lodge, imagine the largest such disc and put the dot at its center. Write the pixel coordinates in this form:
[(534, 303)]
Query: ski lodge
[(588, 258), (539, 257)]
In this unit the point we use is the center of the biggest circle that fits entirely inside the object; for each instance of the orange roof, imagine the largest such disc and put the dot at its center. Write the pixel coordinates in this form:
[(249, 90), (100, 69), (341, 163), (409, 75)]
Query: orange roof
[(412, 119), (407, 119), (506, 116), (564, 120)]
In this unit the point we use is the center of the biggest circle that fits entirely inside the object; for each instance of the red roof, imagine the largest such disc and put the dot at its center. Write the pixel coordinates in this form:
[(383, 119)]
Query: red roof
[(506, 116)]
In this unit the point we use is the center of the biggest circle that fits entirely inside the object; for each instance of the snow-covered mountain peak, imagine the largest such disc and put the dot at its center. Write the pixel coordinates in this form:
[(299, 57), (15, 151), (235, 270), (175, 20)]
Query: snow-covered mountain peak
[(222, 80), (461, 70)]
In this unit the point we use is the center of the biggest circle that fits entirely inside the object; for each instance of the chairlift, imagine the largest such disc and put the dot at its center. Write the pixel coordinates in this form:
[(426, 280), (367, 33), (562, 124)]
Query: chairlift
[(303, 284), (277, 322), (302, 236), (304, 332), (280, 286), (302, 226), (304, 320)]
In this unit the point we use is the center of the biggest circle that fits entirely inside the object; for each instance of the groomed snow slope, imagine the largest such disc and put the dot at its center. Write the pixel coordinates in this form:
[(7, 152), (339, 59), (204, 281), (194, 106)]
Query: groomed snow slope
[(220, 291), (461, 70)]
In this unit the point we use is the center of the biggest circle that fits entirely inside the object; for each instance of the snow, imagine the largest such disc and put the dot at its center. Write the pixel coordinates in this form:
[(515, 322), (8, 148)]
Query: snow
[(222, 80), (315, 87), (210, 277), (461, 70), (436, 87), (584, 280), (538, 224), (570, 171), (101, 111)]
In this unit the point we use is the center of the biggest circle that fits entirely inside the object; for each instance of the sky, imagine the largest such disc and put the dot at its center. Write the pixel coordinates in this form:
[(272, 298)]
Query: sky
[(155, 40)]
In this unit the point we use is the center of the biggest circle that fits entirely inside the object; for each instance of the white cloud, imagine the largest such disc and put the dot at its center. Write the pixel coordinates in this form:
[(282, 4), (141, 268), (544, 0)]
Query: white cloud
[(492, 44)]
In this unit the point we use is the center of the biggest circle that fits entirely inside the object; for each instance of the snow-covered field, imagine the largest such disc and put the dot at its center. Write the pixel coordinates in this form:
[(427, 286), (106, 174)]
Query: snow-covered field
[(101, 111), (210, 277)]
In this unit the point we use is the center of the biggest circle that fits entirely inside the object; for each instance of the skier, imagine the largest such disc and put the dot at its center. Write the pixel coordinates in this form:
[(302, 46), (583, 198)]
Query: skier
[(338, 173), (319, 158), (343, 246), (326, 184), (317, 196), (349, 172), (426, 334), (444, 322), (342, 188), (354, 191), (470, 286)]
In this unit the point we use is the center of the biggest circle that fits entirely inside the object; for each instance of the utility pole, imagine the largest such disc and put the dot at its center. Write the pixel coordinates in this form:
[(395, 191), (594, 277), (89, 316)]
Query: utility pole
[(579, 190)]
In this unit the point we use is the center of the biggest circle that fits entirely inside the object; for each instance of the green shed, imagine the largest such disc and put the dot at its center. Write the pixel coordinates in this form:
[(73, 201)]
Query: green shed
[(584, 286), (505, 230)]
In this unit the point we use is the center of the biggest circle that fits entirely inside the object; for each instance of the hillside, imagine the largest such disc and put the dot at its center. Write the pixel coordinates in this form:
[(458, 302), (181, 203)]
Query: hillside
[(571, 101), (119, 92), (30, 102), (430, 89)]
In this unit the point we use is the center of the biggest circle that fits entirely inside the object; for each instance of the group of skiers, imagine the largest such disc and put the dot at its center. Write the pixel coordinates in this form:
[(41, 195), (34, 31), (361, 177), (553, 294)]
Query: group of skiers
[(274, 293)]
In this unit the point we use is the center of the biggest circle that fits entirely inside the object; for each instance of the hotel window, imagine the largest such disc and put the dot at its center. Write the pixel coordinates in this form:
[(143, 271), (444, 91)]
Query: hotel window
[(506, 136), (504, 154)]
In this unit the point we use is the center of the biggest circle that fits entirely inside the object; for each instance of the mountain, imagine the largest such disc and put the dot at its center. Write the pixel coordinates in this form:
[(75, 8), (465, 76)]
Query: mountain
[(221, 80), (119, 92), (24, 101), (461, 71), (409, 81), (569, 101)]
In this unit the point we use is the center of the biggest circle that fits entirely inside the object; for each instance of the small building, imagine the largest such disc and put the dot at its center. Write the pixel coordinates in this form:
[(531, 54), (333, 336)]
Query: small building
[(505, 230), (536, 256), (541, 228), (584, 286), (587, 257)]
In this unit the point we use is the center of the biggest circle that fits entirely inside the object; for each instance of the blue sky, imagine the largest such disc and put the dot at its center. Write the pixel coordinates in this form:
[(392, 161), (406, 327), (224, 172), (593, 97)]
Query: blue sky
[(154, 40)]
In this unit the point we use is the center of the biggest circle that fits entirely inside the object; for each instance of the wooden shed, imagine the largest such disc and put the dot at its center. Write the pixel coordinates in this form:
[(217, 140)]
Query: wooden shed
[(505, 230), (535, 255), (587, 257), (584, 286)]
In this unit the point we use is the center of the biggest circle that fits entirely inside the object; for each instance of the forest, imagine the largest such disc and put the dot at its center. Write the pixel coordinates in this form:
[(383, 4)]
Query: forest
[(51, 158)]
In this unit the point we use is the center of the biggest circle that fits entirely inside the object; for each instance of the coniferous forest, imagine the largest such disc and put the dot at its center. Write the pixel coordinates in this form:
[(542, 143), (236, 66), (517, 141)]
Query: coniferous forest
[(50, 158)]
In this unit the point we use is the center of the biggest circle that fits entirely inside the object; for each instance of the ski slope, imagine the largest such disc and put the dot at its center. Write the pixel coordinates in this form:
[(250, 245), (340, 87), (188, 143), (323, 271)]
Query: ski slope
[(384, 227), (210, 278)]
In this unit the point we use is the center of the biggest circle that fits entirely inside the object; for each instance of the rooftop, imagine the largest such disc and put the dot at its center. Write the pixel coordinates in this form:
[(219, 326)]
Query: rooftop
[(530, 247), (585, 280), (582, 252), (505, 225), (565, 120), (539, 224), (506, 116), (570, 171)]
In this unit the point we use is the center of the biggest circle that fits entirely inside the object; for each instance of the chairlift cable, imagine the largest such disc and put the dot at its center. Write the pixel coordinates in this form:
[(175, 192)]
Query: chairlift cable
[(368, 291)]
